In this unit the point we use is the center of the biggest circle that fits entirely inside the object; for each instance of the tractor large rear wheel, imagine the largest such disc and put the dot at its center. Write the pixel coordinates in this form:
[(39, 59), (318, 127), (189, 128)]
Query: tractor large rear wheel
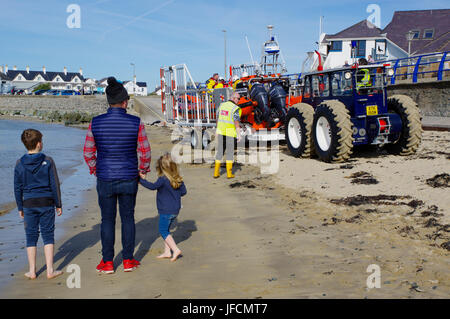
[(411, 135), (298, 125), (332, 132)]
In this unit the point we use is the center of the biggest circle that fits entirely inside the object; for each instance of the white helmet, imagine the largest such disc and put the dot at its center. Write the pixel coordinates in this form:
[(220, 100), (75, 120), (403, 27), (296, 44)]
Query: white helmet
[(220, 78), (234, 78), (244, 74)]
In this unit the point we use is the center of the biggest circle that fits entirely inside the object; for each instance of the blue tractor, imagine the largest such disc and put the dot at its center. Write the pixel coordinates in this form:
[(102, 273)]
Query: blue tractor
[(345, 107)]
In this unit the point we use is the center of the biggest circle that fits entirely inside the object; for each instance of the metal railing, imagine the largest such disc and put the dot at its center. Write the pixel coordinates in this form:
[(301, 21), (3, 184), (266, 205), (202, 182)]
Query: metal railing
[(250, 69), (183, 102), (427, 67)]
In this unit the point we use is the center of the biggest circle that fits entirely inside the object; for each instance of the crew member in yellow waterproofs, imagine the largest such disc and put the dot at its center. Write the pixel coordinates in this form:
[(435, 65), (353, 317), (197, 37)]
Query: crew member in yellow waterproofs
[(212, 82), (228, 131)]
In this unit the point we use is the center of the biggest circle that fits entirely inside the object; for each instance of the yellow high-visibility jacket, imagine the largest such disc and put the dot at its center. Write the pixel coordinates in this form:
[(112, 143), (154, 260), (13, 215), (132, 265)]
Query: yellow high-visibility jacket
[(225, 122), (210, 84)]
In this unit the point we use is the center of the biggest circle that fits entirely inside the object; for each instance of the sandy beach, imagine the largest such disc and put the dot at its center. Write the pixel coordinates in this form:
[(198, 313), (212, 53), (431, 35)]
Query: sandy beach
[(301, 233)]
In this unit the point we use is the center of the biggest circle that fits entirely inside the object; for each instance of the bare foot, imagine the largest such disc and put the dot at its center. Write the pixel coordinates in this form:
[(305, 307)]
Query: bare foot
[(176, 254), (54, 274), (165, 255), (30, 275)]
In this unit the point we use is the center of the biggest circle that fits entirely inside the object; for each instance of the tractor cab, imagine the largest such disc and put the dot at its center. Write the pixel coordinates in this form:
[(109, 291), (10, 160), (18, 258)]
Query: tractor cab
[(356, 87)]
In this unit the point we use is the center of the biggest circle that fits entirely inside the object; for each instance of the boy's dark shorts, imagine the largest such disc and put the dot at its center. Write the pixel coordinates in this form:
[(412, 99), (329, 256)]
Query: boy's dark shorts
[(39, 220)]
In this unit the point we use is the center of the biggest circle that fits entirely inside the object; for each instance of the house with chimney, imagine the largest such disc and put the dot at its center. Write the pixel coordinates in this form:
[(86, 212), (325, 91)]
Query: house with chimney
[(132, 87), (136, 88), (27, 79), (409, 33)]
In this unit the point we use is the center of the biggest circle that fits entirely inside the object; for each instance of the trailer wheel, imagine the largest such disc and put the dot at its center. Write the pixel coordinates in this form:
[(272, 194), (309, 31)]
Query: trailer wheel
[(332, 132), (411, 135), (298, 125)]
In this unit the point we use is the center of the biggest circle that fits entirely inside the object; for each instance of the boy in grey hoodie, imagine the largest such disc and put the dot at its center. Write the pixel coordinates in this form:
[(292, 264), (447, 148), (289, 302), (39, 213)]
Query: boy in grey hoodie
[(37, 192)]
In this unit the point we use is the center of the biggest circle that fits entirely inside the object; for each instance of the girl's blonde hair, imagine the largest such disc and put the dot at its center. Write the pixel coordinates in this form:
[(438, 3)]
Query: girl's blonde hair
[(165, 166)]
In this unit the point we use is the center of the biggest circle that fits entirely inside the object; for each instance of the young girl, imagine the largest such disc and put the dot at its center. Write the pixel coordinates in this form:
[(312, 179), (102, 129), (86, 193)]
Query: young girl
[(170, 188)]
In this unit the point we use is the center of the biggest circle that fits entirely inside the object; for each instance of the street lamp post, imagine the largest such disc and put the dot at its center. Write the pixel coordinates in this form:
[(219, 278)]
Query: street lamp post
[(409, 37), (134, 76), (225, 52)]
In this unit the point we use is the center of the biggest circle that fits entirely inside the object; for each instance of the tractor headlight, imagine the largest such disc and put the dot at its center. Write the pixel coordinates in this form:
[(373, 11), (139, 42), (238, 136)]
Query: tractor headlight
[(348, 75), (390, 72)]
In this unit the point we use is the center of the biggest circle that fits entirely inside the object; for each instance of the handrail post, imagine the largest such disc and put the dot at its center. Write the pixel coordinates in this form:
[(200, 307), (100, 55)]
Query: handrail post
[(395, 72), (441, 66), (416, 69)]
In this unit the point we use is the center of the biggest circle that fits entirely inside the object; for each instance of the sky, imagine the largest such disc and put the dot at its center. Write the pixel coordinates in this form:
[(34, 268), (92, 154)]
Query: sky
[(154, 33)]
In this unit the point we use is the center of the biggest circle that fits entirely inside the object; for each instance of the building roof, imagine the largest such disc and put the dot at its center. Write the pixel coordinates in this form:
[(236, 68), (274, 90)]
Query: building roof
[(140, 84), (362, 29), (48, 76), (404, 21), (3, 76)]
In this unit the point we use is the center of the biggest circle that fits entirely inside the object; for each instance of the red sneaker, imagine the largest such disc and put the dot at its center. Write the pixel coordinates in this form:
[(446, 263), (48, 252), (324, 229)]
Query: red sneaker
[(106, 268), (130, 264)]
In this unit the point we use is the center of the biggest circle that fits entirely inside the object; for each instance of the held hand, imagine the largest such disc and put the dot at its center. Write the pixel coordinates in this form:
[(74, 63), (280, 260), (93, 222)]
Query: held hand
[(59, 211), (21, 213), (142, 175)]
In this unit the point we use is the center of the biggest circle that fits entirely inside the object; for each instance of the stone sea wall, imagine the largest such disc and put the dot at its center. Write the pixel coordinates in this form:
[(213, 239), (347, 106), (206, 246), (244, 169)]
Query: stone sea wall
[(66, 109), (432, 98)]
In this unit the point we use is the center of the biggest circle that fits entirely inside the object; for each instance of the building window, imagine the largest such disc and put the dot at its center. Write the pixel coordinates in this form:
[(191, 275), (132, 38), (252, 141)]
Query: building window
[(360, 49), (336, 46), (416, 34), (428, 33)]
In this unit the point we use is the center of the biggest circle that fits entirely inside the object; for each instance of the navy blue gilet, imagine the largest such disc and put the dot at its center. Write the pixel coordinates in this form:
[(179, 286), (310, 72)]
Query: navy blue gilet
[(116, 138)]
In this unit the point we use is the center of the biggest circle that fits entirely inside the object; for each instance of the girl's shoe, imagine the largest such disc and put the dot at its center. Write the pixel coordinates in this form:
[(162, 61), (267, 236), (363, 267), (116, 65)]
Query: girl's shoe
[(106, 268), (130, 264)]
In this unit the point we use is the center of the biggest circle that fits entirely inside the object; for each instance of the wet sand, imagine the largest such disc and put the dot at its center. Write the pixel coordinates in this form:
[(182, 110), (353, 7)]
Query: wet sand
[(6, 208), (272, 236)]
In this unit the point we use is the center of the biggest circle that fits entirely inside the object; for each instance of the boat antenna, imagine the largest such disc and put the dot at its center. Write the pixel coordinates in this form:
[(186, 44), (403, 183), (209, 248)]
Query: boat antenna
[(249, 50)]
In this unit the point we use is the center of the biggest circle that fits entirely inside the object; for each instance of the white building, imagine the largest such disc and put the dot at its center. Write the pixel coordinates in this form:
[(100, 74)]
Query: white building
[(90, 85), (136, 88), (430, 29), (132, 87), (28, 80)]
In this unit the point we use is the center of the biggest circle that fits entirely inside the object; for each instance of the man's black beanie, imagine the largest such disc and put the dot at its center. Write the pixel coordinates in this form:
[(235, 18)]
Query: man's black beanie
[(115, 92)]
